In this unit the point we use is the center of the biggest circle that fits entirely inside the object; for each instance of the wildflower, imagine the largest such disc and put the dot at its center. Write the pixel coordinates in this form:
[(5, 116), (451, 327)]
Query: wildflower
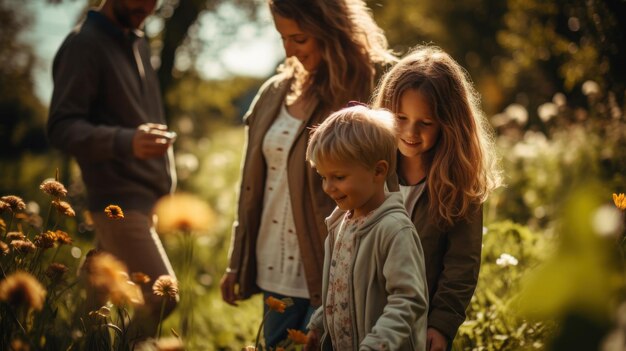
[(506, 260), (15, 236), (63, 238), (114, 212), (297, 336), (165, 285), (64, 208), (183, 212), (4, 206), (620, 201), (23, 246), (109, 276), (55, 271), (4, 248), (22, 289), (139, 278), (53, 188), (275, 304), (16, 204), (45, 240)]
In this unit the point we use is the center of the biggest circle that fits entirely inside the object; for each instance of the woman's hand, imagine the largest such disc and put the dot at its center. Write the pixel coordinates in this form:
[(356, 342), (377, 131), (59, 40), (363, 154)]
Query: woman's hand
[(435, 341), (227, 286)]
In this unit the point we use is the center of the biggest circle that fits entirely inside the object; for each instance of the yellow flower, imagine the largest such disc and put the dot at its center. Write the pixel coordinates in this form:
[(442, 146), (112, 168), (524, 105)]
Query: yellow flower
[(183, 212), (64, 208), (15, 236), (23, 246), (4, 248), (275, 304), (22, 289), (16, 204), (297, 336), (109, 276), (166, 285), (114, 212), (56, 271), (53, 188), (45, 240), (620, 201), (63, 238)]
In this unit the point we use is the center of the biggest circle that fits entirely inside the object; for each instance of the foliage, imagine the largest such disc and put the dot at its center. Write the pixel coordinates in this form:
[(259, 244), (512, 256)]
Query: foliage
[(509, 251)]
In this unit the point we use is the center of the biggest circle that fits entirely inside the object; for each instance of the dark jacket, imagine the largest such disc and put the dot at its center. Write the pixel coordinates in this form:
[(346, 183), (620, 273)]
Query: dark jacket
[(310, 204), (101, 95), (452, 259)]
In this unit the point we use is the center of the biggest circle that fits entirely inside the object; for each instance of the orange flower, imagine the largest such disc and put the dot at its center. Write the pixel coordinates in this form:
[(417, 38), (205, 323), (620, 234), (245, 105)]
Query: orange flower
[(64, 208), (114, 212), (297, 336), (22, 289), (139, 278), (275, 304), (620, 201)]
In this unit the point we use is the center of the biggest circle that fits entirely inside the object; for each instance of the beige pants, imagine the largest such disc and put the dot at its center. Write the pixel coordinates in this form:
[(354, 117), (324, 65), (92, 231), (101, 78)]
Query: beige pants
[(134, 241)]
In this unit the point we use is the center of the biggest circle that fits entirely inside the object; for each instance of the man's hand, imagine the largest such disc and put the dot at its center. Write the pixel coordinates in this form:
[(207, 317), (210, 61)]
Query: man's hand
[(152, 140), (227, 286), (435, 341), (313, 340)]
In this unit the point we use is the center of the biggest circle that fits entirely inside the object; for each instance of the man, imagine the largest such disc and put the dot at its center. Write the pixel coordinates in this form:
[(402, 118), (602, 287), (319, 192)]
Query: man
[(107, 112)]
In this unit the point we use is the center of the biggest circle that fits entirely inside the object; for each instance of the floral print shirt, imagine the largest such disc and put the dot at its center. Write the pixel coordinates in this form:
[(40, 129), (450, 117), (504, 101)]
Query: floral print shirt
[(337, 309)]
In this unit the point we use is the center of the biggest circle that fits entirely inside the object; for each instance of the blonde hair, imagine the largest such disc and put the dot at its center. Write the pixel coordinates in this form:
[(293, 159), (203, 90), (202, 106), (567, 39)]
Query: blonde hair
[(354, 134), (351, 43), (462, 168)]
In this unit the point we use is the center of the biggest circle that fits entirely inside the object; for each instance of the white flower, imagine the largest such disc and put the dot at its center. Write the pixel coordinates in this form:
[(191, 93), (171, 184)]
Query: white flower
[(506, 260)]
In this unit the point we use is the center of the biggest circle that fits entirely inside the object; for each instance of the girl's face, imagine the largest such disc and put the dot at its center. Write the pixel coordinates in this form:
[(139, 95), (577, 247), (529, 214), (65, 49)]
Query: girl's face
[(303, 46), (417, 128)]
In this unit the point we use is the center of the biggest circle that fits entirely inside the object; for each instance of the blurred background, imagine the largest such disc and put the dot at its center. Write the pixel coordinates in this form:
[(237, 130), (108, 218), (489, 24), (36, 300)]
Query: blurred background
[(552, 76)]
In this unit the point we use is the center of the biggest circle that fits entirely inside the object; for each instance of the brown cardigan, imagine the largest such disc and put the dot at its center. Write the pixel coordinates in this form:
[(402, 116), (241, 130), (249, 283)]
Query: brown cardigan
[(452, 258), (310, 204)]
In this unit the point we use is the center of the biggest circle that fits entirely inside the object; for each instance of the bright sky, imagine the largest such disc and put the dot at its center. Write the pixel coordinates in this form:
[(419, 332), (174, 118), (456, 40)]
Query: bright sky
[(253, 52)]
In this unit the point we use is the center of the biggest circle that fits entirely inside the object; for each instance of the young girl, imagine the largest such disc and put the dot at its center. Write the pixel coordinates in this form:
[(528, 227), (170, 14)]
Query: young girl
[(332, 49), (446, 169), (374, 293)]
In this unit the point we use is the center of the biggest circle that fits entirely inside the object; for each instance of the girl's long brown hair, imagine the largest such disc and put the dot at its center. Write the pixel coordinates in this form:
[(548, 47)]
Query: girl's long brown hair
[(351, 44), (462, 168)]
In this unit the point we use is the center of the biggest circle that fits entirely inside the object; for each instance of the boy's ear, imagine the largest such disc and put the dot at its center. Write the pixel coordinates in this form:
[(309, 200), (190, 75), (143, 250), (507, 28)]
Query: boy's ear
[(381, 168)]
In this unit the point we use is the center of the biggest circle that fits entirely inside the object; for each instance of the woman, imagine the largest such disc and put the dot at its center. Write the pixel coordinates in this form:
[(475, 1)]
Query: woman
[(332, 50)]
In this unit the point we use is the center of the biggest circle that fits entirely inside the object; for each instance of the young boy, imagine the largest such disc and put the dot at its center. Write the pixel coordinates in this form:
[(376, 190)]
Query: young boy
[(374, 281)]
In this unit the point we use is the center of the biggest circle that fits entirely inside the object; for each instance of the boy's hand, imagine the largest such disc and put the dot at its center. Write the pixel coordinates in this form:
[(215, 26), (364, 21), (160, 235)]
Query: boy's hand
[(435, 341), (313, 340)]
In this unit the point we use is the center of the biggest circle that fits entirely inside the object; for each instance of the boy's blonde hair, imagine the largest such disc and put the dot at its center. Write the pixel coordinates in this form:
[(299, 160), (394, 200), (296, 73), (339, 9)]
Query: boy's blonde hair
[(355, 134)]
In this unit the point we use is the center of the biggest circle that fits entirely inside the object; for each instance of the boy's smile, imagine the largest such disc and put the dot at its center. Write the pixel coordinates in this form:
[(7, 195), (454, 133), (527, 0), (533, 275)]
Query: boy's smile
[(353, 186)]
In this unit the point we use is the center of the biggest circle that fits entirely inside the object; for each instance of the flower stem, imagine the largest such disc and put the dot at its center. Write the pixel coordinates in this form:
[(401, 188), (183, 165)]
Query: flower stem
[(158, 336), (258, 334)]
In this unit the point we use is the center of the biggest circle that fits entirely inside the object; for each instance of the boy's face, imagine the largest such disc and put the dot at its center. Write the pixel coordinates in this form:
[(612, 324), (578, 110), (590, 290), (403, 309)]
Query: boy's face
[(353, 186)]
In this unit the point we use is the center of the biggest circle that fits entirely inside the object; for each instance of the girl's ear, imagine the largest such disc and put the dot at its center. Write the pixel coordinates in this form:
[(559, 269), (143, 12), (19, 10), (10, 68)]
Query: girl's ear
[(381, 169)]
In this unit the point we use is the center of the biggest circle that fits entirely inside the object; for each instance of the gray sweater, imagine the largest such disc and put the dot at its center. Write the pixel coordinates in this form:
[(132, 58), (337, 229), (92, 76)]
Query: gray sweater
[(104, 88), (389, 296)]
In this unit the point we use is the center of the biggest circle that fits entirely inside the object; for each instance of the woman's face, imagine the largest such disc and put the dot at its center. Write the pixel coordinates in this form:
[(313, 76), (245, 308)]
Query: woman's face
[(297, 43)]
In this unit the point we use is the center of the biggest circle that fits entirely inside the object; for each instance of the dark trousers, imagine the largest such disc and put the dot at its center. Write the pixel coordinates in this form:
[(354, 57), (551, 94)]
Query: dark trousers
[(276, 324)]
